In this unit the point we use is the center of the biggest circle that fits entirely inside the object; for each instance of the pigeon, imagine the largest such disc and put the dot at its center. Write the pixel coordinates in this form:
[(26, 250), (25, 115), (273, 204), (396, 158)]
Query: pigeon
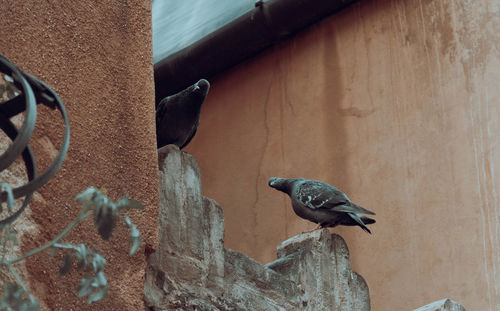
[(322, 203), (178, 115)]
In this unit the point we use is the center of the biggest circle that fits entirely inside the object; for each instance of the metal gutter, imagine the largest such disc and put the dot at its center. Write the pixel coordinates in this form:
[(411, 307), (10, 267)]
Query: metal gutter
[(268, 23)]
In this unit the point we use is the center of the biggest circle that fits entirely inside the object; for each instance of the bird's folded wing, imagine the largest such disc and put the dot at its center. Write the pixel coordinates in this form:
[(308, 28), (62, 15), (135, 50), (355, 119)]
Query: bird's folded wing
[(194, 128), (317, 195), (361, 209), (348, 208)]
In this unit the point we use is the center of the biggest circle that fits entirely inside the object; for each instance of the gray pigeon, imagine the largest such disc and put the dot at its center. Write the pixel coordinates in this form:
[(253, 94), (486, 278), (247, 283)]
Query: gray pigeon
[(178, 115), (322, 203)]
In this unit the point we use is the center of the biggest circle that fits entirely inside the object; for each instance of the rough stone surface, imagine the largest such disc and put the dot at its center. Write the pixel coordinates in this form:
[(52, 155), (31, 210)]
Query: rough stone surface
[(191, 270), (319, 262), (442, 305)]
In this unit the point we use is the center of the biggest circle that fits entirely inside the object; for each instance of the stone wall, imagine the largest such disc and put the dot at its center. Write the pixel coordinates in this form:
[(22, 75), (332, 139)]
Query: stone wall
[(191, 269)]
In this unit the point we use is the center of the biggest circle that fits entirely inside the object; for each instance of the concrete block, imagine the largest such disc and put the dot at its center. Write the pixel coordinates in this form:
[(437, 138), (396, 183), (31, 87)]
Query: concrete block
[(319, 262), (445, 304)]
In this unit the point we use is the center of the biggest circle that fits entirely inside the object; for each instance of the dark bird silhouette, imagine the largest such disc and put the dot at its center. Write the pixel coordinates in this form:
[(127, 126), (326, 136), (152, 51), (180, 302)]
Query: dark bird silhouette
[(322, 203), (178, 115)]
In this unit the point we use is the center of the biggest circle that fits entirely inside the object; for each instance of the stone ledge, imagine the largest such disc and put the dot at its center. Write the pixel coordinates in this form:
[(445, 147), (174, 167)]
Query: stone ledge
[(442, 305), (320, 255), (191, 270)]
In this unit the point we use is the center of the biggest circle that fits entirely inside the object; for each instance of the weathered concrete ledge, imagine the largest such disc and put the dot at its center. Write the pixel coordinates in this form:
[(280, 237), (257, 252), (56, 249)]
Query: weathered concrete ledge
[(442, 305), (319, 263), (191, 270)]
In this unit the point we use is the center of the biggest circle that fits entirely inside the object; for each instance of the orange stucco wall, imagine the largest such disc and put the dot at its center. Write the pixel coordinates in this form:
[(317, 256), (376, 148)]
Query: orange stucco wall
[(397, 104), (97, 56)]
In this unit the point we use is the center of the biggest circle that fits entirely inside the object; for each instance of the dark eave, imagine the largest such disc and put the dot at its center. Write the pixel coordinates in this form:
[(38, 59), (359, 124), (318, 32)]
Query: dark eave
[(269, 22)]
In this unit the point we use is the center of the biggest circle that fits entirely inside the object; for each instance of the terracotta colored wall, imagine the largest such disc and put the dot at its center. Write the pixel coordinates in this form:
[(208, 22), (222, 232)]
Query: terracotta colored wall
[(97, 56), (397, 104)]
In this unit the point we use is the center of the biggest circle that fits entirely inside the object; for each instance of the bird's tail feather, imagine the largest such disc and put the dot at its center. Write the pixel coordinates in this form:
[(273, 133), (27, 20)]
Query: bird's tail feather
[(367, 220), (362, 210), (350, 208), (360, 222)]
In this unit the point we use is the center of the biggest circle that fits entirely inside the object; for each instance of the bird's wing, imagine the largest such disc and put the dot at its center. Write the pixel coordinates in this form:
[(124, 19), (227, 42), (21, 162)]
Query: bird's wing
[(315, 195), (161, 110), (318, 195), (193, 132)]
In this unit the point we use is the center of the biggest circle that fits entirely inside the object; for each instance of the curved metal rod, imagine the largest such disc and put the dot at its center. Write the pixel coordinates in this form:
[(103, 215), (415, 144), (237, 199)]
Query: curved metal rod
[(52, 100), (29, 161), (21, 140), (43, 178)]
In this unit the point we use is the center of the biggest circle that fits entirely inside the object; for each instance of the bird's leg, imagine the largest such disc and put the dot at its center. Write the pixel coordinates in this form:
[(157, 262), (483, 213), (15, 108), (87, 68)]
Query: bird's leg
[(320, 226)]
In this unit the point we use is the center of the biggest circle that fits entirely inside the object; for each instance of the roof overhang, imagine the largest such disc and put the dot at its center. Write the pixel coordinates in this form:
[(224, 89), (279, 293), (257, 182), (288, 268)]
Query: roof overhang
[(261, 26)]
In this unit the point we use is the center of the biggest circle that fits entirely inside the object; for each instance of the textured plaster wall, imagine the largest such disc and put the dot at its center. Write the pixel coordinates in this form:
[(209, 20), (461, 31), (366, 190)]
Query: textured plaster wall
[(97, 56), (397, 104)]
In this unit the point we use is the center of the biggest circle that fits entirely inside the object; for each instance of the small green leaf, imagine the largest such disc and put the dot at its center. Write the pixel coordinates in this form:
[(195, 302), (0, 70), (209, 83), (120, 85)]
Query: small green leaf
[(101, 279), (85, 287), (87, 194), (82, 250), (135, 235), (95, 297), (127, 221), (98, 262), (66, 266), (125, 202), (99, 200), (82, 255), (104, 220), (135, 239), (98, 211), (86, 206), (65, 246)]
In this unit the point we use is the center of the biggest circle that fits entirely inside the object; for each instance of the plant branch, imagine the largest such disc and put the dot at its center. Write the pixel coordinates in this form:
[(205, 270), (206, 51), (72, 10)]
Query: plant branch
[(79, 219), (18, 278), (4, 244)]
